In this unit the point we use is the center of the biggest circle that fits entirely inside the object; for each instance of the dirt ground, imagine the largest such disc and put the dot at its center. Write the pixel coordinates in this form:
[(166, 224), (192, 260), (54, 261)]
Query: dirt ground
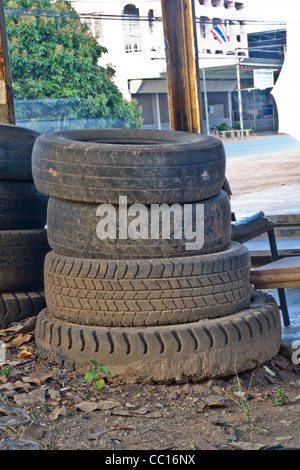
[(257, 174), (58, 410), (53, 409)]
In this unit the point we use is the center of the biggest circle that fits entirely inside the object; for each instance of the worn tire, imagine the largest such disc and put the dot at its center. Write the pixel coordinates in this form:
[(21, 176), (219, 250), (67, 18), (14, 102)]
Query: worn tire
[(22, 207), (72, 232), (99, 165), (22, 255), (166, 354), (147, 292), (16, 144), (15, 306)]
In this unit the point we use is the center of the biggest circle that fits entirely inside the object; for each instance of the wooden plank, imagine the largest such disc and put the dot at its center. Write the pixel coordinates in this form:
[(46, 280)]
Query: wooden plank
[(284, 272)]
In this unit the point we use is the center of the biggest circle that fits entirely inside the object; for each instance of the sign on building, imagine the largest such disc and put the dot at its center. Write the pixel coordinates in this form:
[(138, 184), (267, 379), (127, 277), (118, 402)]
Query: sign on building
[(263, 78)]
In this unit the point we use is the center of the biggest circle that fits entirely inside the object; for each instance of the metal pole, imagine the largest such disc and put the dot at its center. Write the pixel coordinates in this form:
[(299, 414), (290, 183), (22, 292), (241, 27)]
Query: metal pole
[(240, 96), (157, 110), (255, 109), (230, 108), (182, 65), (205, 102), (7, 112), (281, 291)]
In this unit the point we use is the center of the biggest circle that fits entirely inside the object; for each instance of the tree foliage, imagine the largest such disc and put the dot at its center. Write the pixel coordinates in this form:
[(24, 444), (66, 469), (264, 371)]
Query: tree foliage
[(56, 57)]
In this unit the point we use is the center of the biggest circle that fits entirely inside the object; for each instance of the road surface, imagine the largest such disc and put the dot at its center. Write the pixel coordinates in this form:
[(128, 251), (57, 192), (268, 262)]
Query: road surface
[(261, 146)]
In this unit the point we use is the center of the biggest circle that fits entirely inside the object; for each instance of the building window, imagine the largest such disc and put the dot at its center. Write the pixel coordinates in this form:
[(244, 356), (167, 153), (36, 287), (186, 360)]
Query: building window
[(205, 26), (216, 22), (131, 27), (216, 3), (89, 23), (95, 26), (239, 5), (229, 4), (151, 20), (98, 28)]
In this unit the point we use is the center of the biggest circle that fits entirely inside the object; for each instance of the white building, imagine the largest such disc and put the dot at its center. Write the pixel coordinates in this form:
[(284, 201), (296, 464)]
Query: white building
[(132, 34), (228, 14)]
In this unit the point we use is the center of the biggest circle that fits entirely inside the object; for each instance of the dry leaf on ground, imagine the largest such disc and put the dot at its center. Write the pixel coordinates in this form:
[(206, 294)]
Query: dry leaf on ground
[(18, 340), (15, 385), (36, 377), (57, 412), (24, 353), (100, 405), (150, 414)]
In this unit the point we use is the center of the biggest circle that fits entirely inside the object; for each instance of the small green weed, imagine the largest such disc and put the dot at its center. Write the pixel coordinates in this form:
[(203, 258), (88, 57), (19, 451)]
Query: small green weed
[(97, 373), (280, 398), (5, 370), (242, 401)]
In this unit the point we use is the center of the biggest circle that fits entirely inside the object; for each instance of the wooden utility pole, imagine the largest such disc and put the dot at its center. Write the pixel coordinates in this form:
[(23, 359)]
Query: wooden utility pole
[(182, 65), (7, 112)]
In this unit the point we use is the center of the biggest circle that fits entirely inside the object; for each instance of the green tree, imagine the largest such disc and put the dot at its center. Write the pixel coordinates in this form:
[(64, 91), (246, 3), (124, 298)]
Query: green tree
[(54, 59)]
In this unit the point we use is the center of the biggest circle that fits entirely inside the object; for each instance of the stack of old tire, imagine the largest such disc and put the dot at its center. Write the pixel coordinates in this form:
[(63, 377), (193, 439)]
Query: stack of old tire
[(147, 307), (23, 238)]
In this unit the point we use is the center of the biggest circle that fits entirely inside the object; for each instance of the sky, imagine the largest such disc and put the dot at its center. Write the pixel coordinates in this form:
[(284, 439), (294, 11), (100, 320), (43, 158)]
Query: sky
[(285, 11), (274, 9)]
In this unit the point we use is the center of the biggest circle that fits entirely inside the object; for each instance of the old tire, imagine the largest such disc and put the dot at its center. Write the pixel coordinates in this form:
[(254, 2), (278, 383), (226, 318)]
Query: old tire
[(15, 306), (100, 165), (129, 293), (166, 354), (22, 255), (22, 207), (72, 232), (16, 144)]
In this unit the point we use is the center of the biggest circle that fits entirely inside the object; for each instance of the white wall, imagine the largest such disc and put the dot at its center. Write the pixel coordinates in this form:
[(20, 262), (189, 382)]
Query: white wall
[(151, 63), (147, 63), (215, 9)]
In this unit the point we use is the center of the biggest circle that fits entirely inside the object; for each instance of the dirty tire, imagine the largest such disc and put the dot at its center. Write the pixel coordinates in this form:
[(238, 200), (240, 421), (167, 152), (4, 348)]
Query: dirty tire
[(99, 165), (16, 144), (166, 354), (22, 207), (72, 231), (153, 292), (22, 255), (15, 306)]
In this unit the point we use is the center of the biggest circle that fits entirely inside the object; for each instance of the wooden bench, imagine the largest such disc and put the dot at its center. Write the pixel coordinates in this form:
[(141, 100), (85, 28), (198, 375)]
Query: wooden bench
[(235, 132), (248, 228), (282, 273)]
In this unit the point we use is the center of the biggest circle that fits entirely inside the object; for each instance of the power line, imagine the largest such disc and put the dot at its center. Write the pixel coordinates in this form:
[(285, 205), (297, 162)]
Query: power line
[(62, 14), (101, 16)]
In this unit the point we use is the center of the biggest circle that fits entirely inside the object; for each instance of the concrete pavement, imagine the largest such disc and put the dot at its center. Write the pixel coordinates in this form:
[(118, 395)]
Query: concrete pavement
[(261, 145)]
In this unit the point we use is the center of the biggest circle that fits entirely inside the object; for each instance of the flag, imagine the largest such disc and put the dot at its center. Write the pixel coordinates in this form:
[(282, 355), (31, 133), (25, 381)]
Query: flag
[(220, 34)]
